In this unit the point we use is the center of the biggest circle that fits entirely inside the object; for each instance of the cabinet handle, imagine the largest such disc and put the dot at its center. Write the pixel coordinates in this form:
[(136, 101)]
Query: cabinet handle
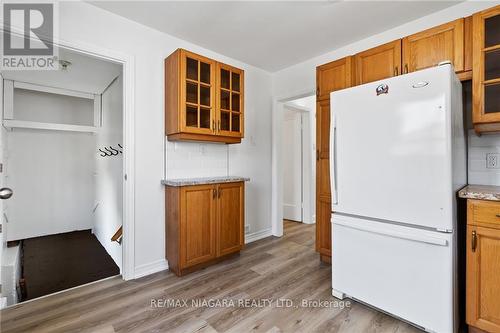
[(474, 241), (214, 193), (406, 69), (396, 71), (218, 193), (213, 125), (218, 129), (498, 215), (317, 154)]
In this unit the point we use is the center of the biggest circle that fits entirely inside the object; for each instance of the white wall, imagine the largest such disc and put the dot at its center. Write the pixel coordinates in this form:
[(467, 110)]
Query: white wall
[(301, 77), (109, 172), (51, 172), (149, 48), (188, 159), (479, 147)]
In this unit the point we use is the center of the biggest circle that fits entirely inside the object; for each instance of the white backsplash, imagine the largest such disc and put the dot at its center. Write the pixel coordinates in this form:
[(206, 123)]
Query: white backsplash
[(479, 146), (190, 159)]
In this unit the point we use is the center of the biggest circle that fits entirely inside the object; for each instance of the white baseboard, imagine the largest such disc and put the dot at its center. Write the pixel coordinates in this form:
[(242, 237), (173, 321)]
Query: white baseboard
[(255, 236), (146, 269)]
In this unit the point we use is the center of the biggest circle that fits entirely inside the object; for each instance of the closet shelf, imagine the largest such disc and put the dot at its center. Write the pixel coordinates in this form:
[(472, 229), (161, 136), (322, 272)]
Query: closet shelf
[(8, 123)]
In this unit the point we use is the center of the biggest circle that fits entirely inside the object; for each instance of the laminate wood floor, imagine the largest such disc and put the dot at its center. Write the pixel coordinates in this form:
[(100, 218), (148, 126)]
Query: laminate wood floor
[(284, 268)]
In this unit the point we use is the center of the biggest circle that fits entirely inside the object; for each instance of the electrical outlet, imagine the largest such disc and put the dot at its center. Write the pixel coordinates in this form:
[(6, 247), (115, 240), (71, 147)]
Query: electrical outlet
[(247, 229), (492, 160)]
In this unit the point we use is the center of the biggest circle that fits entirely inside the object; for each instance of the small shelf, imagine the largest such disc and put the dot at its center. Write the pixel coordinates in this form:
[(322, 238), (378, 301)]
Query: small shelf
[(48, 126), (492, 81), (491, 48)]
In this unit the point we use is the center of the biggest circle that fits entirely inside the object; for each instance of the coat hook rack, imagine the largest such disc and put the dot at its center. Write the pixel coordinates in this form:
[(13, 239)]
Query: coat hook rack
[(107, 151)]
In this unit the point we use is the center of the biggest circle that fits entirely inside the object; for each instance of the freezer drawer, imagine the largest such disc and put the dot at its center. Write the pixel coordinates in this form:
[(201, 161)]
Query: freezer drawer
[(404, 271)]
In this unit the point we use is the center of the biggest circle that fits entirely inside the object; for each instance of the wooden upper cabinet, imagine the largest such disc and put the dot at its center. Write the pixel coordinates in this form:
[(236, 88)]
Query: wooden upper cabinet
[(486, 70), (378, 63), (192, 99), (198, 224), (230, 219), (333, 76), (229, 101), (468, 41), (430, 47)]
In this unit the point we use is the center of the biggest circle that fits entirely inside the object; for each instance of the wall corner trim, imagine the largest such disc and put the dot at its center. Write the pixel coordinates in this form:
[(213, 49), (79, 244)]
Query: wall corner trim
[(255, 236), (150, 268)]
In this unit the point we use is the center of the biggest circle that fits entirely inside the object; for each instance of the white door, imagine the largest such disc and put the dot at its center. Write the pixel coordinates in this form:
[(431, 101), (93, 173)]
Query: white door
[(407, 272), (391, 152), (2, 238), (5, 193), (292, 166)]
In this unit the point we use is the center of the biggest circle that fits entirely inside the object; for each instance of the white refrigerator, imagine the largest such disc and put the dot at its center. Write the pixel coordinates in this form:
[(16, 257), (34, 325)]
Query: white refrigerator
[(397, 158)]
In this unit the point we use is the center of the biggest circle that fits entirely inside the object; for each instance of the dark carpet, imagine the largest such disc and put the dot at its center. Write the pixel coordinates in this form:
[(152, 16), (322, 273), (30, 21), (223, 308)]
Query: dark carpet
[(57, 262)]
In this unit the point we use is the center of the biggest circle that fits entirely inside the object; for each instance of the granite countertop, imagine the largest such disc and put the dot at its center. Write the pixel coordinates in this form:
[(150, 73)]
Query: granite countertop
[(481, 192), (203, 180)]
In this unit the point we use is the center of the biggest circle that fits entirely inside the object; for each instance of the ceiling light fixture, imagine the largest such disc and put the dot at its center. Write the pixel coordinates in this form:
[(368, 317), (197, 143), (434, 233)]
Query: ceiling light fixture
[(64, 64)]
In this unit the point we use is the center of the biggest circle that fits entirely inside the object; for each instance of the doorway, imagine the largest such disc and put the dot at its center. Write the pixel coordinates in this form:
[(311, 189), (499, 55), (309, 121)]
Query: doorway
[(298, 163), (67, 167)]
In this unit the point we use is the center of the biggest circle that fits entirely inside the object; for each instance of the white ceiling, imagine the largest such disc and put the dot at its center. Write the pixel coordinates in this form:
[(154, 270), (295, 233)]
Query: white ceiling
[(86, 74), (272, 35)]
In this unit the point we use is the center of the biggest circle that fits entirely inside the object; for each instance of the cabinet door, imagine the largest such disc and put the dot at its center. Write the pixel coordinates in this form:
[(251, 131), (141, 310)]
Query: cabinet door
[(323, 194), (230, 218), (429, 47), (197, 94), (483, 272), (379, 63), (230, 82), (333, 76), (198, 224), (486, 70)]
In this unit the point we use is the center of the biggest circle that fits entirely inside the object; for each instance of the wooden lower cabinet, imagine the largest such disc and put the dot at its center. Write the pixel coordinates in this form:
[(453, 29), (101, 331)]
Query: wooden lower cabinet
[(204, 224), (483, 265), (230, 215), (324, 228)]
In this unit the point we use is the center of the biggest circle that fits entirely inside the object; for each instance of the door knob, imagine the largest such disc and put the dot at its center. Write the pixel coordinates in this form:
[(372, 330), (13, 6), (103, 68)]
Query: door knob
[(5, 193)]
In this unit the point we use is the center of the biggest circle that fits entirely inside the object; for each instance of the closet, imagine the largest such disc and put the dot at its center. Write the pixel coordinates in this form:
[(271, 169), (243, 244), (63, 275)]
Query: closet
[(62, 137)]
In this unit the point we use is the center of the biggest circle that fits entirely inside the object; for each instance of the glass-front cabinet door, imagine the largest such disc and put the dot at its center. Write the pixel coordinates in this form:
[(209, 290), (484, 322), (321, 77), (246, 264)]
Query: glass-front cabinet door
[(230, 100), (197, 94), (486, 70)]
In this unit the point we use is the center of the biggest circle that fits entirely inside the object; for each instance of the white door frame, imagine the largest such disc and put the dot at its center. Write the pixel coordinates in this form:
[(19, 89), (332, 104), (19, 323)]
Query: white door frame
[(128, 65), (277, 160)]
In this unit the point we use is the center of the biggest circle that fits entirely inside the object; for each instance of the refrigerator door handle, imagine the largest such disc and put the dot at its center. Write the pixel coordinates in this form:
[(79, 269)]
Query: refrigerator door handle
[(396, 234), (333, 159)]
